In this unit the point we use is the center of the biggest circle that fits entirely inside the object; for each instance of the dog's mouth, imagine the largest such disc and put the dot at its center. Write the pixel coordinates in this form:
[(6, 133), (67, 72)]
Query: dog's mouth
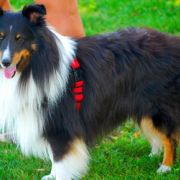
[(10, 72)]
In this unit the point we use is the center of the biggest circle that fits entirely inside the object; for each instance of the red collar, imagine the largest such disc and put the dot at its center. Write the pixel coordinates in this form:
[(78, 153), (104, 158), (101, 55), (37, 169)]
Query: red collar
[(78, 87)]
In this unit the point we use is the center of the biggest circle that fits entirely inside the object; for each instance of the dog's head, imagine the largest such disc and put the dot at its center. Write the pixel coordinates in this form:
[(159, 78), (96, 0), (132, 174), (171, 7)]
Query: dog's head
[(17, 37)]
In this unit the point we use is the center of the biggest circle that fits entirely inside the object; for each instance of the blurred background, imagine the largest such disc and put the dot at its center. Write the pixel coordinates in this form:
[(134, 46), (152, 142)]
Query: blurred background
[(107, 15)]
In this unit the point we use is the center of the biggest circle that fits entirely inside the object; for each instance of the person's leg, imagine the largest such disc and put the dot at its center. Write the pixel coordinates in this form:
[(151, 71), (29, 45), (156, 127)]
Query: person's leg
[(64, 16), (4, 4)]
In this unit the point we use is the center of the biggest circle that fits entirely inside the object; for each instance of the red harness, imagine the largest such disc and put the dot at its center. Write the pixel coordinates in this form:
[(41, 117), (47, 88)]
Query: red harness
[(78, 85)]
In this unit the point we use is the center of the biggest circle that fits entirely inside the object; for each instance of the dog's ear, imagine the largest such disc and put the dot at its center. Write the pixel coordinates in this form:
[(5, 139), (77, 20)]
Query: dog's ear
[(1, 11), (35, 13)]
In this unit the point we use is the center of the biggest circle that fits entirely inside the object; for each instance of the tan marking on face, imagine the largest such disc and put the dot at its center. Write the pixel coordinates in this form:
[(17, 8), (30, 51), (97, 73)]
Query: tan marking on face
[(23, 54), (168, 155), (21, 58), (34, 47)]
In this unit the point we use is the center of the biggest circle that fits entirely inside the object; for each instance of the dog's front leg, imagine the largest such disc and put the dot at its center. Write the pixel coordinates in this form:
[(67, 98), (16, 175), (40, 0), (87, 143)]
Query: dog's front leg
[(71, 161)]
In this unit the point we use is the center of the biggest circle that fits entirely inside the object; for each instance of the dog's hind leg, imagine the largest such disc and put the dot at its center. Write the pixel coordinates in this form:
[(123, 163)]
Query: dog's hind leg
[(169, 154), (168, 145), (72, 164), (149, 132)]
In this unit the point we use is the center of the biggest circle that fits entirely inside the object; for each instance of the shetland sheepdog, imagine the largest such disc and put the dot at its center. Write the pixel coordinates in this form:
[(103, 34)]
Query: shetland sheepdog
[(59, 94)]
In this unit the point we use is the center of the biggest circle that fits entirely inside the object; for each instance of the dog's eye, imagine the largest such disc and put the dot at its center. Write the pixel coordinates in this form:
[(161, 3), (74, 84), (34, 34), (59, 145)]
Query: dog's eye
[(2, 35), (18, 37)]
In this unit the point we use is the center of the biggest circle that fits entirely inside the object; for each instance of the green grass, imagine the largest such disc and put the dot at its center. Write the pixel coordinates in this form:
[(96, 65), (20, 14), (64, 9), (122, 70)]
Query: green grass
[(120, 155), (107, 15)]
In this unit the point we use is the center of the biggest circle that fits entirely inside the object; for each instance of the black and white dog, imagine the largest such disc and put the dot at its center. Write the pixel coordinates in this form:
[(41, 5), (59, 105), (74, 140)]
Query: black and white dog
[(59, 94)]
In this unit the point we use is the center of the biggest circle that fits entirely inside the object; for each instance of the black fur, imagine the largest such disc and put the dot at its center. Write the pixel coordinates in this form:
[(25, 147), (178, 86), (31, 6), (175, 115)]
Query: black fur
[(34, 13), (1, 12), (129, 73)]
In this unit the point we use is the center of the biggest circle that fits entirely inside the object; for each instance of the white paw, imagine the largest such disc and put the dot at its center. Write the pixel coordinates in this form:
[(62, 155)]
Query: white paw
[(163, 169), (48, 177), (154, 154)]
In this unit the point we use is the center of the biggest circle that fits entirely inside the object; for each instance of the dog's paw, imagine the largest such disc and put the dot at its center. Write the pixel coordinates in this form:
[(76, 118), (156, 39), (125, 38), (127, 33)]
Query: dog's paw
[(152, 154), (155, 151), (48, 177), (163, 169)]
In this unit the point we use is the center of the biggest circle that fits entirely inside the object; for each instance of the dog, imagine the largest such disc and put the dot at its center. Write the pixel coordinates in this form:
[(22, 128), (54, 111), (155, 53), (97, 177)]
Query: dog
[(59, 94)]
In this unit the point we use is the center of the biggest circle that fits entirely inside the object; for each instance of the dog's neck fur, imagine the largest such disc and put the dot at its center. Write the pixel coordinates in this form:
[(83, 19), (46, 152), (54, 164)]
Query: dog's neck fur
[(21, 108)]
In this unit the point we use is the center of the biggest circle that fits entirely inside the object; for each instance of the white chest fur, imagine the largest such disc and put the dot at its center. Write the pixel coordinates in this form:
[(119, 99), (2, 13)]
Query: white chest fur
[(20, 114), (21, 110)]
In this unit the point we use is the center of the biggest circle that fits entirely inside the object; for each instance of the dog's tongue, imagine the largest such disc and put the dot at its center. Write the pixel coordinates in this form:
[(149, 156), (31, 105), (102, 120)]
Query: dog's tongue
[(9, 72)]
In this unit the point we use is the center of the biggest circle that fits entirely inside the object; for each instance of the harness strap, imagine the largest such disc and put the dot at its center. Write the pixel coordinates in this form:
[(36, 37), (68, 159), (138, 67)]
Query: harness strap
[(78, 87)]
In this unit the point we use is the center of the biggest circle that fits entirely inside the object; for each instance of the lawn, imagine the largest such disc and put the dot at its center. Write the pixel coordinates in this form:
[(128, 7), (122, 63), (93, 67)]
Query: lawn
[(122, 154)]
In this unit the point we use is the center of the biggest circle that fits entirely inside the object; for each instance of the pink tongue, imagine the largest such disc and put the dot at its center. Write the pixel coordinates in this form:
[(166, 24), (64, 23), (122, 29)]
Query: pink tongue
[(9, 72)]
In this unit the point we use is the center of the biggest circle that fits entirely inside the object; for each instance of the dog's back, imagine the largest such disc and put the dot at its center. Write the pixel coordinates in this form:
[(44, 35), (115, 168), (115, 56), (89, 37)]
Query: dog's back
[(136, 72)]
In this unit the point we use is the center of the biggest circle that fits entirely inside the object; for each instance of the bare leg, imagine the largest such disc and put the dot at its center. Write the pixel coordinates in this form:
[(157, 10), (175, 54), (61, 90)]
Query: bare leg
[(64, 16)]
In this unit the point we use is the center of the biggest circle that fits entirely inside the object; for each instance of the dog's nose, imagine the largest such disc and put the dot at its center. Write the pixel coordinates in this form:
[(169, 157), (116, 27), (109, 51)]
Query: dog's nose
[(6, 62)]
